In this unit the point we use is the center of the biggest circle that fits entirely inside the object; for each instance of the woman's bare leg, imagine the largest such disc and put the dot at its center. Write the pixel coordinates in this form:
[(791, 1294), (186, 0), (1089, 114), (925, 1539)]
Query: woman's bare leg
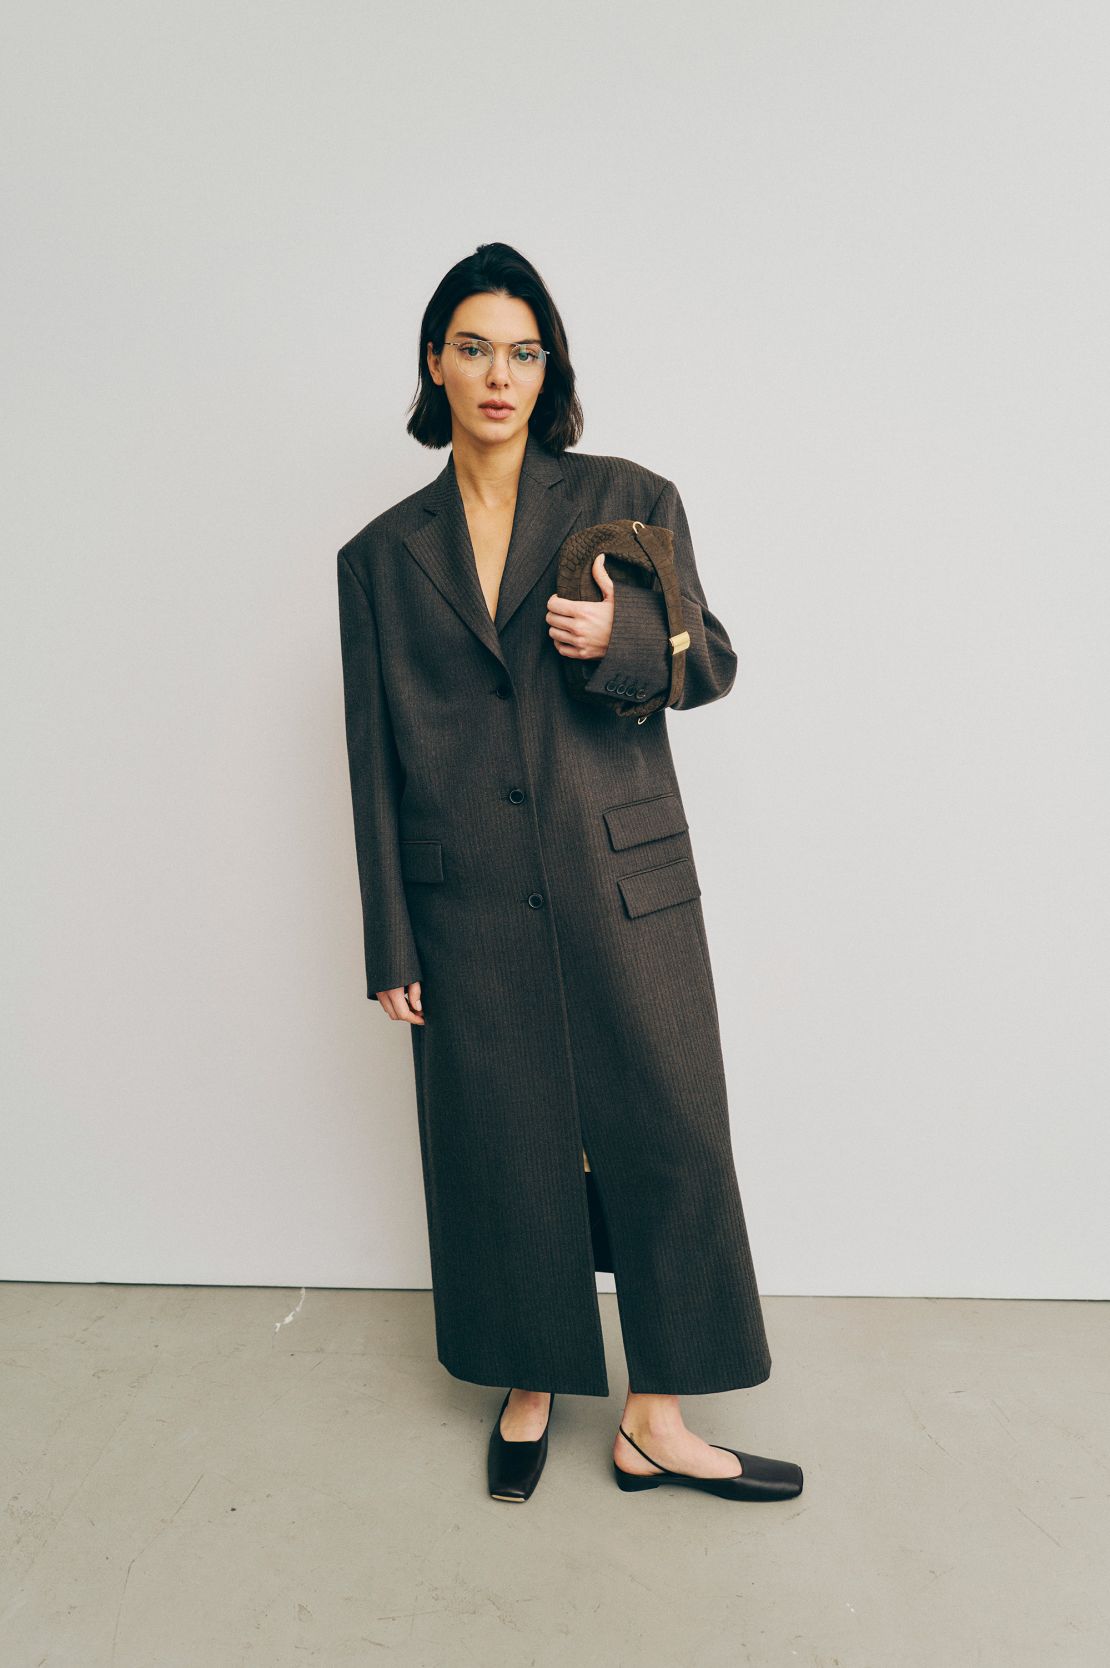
[(657, 1425), (525, 1415)]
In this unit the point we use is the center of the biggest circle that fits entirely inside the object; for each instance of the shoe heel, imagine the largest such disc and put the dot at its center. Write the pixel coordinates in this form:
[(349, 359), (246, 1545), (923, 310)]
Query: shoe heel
[(631, 1484)]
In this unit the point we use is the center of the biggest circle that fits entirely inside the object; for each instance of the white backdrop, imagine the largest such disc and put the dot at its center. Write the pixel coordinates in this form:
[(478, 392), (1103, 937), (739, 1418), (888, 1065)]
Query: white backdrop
[(841, 273)]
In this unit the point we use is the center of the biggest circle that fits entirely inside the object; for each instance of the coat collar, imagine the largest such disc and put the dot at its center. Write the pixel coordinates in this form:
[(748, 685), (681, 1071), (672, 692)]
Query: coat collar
[(545, 513)]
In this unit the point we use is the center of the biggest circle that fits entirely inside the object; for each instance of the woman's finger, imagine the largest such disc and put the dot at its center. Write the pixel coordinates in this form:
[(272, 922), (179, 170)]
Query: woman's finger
[(398, 1006)]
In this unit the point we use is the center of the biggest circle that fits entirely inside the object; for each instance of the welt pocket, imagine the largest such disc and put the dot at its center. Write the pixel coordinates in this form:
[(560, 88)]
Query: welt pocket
[(645, 819), (421, 859), (658, 888)]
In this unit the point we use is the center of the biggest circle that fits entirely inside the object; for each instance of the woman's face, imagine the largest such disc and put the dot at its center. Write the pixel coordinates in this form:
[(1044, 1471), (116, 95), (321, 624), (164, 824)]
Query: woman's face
[(476, 398)]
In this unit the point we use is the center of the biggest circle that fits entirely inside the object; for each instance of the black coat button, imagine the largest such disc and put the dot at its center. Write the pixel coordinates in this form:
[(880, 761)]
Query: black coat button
[(641, 692), (536, 900), (516, 795), (611, 685), (503, 692)]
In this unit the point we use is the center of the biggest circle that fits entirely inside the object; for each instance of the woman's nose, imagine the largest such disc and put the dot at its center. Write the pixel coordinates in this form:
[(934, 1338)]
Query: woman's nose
[(499, 370)]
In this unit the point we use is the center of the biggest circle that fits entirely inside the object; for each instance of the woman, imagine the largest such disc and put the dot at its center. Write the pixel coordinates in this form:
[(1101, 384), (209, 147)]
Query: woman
[(531, 906)]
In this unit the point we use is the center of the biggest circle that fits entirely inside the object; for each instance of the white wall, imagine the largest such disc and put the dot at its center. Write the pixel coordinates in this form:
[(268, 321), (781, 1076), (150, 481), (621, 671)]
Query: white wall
[(838, 270)]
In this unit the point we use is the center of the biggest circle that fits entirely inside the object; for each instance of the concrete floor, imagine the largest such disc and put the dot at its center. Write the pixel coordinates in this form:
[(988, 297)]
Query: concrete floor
[(194, 1484)]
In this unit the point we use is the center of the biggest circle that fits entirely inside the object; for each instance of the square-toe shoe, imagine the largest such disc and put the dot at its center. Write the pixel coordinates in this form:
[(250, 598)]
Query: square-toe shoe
[(514, 1468), (760, 1478)]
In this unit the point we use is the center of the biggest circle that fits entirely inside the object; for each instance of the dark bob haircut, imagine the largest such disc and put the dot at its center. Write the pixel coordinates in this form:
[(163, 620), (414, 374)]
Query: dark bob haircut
[(497, 269)]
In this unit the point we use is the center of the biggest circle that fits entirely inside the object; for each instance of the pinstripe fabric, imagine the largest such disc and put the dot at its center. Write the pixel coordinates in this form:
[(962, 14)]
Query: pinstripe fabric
[(528, 858)]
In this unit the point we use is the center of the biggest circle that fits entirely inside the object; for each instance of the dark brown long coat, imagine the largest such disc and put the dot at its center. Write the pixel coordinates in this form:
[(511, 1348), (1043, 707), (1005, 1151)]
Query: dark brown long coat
[(527, 857)]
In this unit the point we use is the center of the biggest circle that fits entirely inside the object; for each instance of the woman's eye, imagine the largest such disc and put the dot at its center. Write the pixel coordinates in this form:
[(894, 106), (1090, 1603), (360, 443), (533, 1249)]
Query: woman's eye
[(525, 356)]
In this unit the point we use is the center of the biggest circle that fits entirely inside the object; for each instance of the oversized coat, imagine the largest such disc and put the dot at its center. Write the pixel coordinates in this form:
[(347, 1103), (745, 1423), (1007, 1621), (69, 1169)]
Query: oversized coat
[(527, 857)]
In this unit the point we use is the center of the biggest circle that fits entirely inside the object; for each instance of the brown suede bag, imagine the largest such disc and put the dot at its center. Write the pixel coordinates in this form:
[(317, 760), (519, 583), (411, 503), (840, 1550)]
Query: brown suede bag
[(635, 554)]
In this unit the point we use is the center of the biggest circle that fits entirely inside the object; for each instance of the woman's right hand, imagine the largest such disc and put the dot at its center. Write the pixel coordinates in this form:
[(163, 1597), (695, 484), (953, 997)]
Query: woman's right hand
[(397, 1005)]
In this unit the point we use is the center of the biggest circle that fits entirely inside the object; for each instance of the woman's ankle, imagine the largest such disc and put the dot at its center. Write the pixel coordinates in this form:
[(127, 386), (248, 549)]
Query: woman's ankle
[(652, 1415)]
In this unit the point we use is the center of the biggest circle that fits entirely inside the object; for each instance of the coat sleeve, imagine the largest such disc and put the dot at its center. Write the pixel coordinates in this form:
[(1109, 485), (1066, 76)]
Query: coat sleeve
[(639, 654), (376, 782)]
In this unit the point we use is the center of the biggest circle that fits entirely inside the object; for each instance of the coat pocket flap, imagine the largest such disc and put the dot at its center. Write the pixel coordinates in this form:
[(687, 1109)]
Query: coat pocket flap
[(669, 883), (645, 819), (421, 859)]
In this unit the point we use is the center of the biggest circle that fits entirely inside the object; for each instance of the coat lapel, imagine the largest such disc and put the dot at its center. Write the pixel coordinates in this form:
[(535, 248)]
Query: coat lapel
[(545, 513)]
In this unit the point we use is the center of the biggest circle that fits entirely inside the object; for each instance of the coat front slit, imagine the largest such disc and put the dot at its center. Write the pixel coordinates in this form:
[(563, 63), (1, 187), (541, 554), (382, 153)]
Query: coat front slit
[(528, 858)]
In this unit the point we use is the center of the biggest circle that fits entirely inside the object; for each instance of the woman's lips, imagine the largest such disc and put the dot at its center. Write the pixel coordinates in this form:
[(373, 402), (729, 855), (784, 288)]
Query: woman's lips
[(497, 411)]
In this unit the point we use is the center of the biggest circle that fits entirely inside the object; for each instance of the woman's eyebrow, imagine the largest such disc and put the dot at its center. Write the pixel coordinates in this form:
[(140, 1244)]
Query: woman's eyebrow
[(521, 341)]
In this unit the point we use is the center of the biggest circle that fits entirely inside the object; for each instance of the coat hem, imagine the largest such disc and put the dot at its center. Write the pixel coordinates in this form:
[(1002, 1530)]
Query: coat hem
[(703, 1386), (559, 1386)]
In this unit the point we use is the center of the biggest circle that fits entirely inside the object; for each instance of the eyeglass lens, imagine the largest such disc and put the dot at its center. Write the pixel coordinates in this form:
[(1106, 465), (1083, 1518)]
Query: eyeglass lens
[(475, 356)]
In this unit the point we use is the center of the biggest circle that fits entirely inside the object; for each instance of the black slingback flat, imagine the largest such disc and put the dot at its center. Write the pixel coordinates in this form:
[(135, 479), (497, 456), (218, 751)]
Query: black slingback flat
[(760, 1478), (514, 1467)]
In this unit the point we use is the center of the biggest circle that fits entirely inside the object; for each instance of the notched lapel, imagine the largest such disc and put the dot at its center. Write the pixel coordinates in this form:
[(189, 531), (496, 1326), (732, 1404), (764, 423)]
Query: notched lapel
[(545, 513)]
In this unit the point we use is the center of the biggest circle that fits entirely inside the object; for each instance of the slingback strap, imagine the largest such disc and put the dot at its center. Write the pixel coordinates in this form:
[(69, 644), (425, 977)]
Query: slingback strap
[(639, 1450)]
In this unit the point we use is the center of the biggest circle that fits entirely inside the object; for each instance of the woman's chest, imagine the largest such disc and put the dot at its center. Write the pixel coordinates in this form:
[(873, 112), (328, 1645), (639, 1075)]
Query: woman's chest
[(490, 531)]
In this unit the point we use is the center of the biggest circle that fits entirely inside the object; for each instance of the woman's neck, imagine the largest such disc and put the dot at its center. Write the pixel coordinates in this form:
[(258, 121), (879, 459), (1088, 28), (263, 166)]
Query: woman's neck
[(488, 475)]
